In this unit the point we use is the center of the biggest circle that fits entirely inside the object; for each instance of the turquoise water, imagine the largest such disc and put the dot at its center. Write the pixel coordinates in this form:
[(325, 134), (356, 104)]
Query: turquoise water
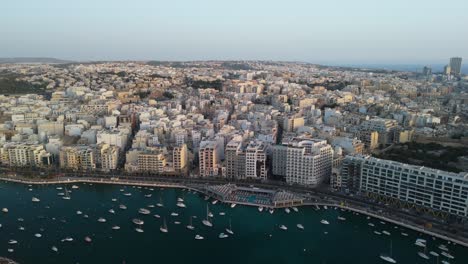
[(257, 237)]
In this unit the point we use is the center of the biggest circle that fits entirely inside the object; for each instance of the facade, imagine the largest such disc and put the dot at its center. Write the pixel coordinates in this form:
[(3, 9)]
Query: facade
[(79, 157), (25, 154), (455, 65), (385, 127), (256, 160), (109, 157), (292, 123), (151, 161), (115, 138), (180, 157), (208, 159), (233, 156), (420, 186)]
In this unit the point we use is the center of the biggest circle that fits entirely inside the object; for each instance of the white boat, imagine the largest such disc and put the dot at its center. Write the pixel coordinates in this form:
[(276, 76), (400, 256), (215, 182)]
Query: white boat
[(79, 212), (435, 254), (295, 209), (21, 228), (12, 242), (325, 207), (445, 262), (325, 222), (214, 202), (54, 248), (388, 258), (150, 206), (404, 234), (59, 188), (198, 237), (287, 210), (88, 239), (137, 221), (260, 209), (144, 211), (207, 220), (148, 195), (75, 187), (222, 213), (177, 222), (163, 228), (139, 230), (385, 232), (102, 220), (35, 200), (271, 210), (300, 226), (181, 205), (180, 200), (222, 235), (127, 194), (341, 218), (229, 230), (11, 250), (377, 233), (190, 225), (5, 210), (114, 200), (123, 207), (38, 235), (423, 255), (159, 205), (85, 216), (210, 214), (111, 211), (68, 239), (447, 255), (60, 194), (67, 196), (174, 214), (157, 216), (233, 205), (116, 227), (443, 247), (283, 227)]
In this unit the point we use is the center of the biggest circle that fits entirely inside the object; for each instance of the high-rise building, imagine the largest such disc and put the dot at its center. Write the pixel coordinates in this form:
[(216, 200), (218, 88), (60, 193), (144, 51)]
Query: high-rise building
[(151, 160), (256, 160), (415, 185), (179, 157), (108, 156), (385, 127), (78, 157), (427, 70), (233, 156), (208, 158), (24, 154), (455, 65)]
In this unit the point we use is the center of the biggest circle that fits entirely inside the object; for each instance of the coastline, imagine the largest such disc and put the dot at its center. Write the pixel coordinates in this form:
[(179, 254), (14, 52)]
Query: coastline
[(411, 226)]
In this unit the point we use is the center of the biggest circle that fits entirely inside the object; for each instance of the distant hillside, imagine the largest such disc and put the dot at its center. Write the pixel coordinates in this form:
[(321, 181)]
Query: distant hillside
[(32, 60)]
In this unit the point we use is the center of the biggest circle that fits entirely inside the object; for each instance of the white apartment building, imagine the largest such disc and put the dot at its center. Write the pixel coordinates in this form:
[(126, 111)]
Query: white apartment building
[(421, 186), (115, 138), (24, 154), (256, 160), (109, 157)]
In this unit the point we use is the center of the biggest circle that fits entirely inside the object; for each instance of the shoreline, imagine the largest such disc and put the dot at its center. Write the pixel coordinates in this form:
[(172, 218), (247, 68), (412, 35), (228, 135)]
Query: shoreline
[(181, 186)]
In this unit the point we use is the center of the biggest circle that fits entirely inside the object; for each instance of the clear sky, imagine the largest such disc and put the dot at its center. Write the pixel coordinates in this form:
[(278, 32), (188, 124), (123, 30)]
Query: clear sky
[(325, 31)]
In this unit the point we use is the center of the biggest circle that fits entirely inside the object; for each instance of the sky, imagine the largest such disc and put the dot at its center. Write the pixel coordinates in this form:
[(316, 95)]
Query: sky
[(325, 31)]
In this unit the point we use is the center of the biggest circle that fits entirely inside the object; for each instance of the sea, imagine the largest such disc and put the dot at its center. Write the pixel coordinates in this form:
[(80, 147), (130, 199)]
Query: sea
[(257, 237)]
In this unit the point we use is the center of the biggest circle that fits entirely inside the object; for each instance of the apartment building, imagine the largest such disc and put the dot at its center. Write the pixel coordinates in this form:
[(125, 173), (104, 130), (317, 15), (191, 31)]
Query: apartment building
[(80, 157), (180, 157), (17, 154), (208, 158)]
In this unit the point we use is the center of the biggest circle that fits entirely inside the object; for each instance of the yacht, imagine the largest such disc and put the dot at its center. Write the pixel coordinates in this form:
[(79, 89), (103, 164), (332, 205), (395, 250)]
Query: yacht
[(21, 228), (222, 235), (445, 262), (79, 212), (371, 224), (404, 234), (388, 258), (300, 226), (443, 247), (102, 220), (88, 239), (144, 211), (271, 210), (150, 206), (435, 254), (67, 196), (190, 225), (341, 218), (177, 222), (68, 239), (423, 255), (85, 216), (447, 255), (137, 221), (325, 207), (222, 213), (198, 237), (5, 210), (60, 194), (214, 202), (75, 187), (283, 227), (12, 242), (157, 216), (325, 222), (127, 194), (123, 207), (385, 232), (111, 211), (377, 233), (36, 200), (54, 248), (59, 188), (116, 227), (139, 230), (180, 200), (287, 210), (148, 195), (207, 220), (295, 209), (181, 205), (38, 235), (174, 214), (260, 209), (163, 228), (233, 205), (229, 230), (114, 200)]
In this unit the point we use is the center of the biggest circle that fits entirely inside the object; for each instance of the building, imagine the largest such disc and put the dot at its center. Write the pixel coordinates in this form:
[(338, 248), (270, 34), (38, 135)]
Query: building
[(152, 161), (308, 161), (78, 157), (413, 185), (292, 123), (427, 70), (108, 157), (25, 154), (233, 156), (385, 127), (114, 138), (180, 157), (208, 158), (256, 161), (455, 65)]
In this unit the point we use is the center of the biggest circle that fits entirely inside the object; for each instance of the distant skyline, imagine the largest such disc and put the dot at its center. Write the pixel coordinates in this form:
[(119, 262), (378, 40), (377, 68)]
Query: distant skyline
[(326, 32)]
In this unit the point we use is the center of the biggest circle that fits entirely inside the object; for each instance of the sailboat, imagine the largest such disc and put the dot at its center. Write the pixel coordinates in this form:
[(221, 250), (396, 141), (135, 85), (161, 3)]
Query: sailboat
[(190, 226), (388, 258), (207, 220), (423, 254), (229, 230), (164, 227), (160, 204), (67, 196)]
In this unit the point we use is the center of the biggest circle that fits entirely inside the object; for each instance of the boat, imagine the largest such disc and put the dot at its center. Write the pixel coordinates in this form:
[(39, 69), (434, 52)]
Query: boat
[(271, 210), (260, 209), (229, 230), (177, 222), (68, 239), (447, 255), (20, 219), (114, 200), (325, 207), (385, 232), (325, 222), (423, 255), (102, 220), (79, 212), (59, 188), (300, 226), (377, 233), (210, 214), (283, 227), (214, 202), (144, 211), (150, 206), (111, 211), (388, 258), (54, 248), (88, 239), (85, 216), (207, 220), (20, 228), (148, 195), (35, 200), (160, 204), (341, 218), (116, 227), (404, 234), (190, 225), (181, 205), (127, 194), (60, 194), (139, 230), (38, 235), (443, 247), (198, 237), (5, 210), (174, 214), (163, 228), (222, 235), (233, 205), (287, 210), (137, 221), (75, 187), (445, 262), (295, 209), (180, 200), (123, 207), (222, 213), (435, 254), (12, 242), (67, 196), (157, 216)]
